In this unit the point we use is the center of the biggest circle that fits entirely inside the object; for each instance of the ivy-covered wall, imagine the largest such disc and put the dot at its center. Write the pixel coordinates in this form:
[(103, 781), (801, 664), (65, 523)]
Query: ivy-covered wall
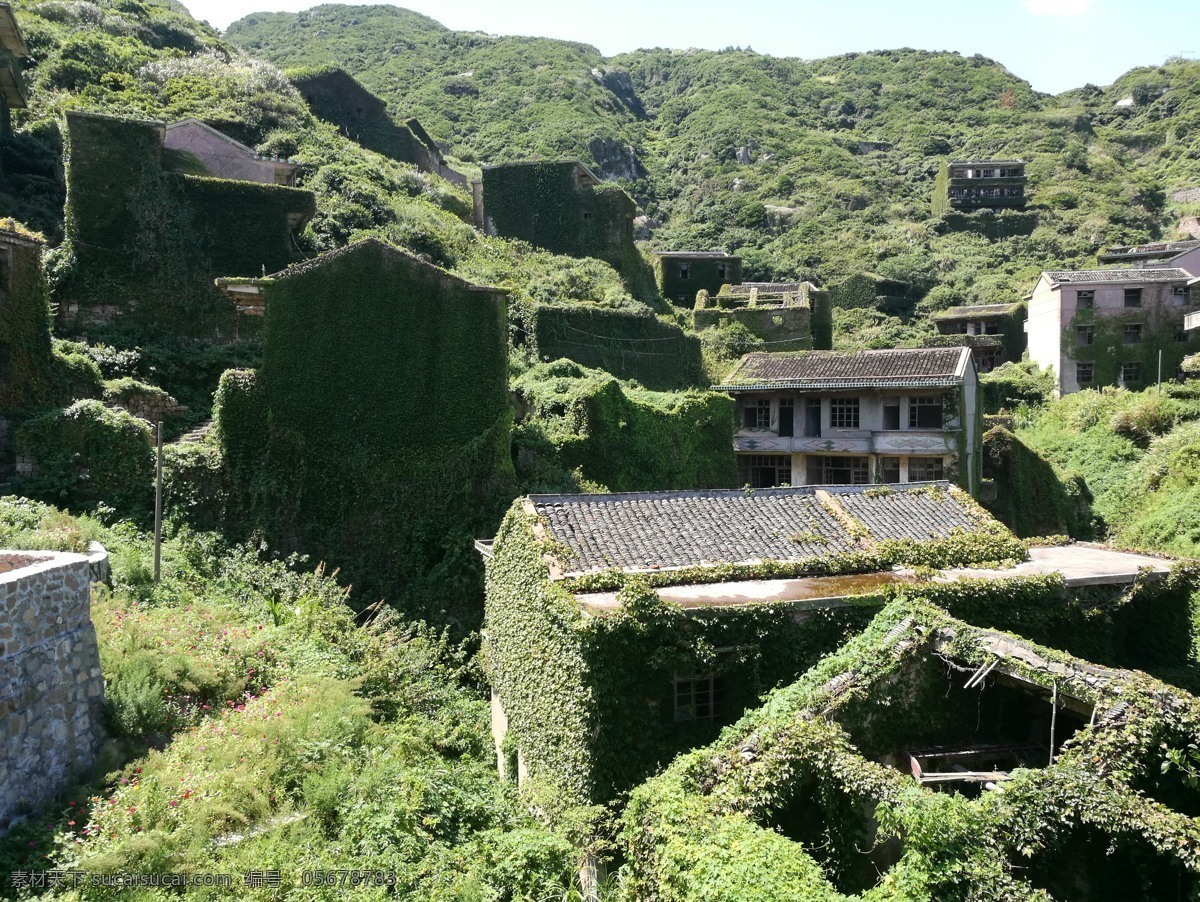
[(546, 205), (868, 290), (376, 433), (628, 439), (989, 223), (1032, 497), (34, 375), (589, 697), (633, 345), (703, 273), (146, 243), (787, 328), (1161, 324)]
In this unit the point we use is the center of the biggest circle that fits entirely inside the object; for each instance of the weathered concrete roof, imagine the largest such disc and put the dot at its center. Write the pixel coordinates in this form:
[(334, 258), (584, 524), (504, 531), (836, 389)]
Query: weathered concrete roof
[(976, 311), (698, 255), (1080, 565), (849, 369)]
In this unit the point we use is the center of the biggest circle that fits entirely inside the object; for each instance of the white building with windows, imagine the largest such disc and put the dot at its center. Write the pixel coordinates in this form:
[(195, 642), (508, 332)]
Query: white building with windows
[(853, 418)]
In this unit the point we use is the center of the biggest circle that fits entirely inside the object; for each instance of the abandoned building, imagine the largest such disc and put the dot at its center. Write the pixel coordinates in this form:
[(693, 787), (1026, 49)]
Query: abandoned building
[(986, 184), (995, 333), (1111, 326), (365, 465), (562, 207), (335, 96), (822, 778), (196, 147), (853, 418), (1162, 255), (790, 316), (13, 94), (683, 273)]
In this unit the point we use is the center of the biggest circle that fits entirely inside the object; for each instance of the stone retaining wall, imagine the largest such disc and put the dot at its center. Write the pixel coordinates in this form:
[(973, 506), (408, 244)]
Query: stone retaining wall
[(51, 688)]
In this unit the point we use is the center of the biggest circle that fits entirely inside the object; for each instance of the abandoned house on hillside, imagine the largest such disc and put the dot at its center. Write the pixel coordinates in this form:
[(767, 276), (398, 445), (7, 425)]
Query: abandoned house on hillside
[(789, 316), (683, 273), (995, 333), (1111, 326), (1160, 255), (986, 184), (853, 418), (196, 147)]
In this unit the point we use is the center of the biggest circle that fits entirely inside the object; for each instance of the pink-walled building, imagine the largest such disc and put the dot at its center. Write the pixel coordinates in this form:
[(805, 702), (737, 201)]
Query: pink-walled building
[(209, 152)]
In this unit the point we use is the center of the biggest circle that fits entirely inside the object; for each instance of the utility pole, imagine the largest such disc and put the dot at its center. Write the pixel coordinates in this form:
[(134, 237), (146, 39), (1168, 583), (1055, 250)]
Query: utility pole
[(1160, 371), (158, 488)]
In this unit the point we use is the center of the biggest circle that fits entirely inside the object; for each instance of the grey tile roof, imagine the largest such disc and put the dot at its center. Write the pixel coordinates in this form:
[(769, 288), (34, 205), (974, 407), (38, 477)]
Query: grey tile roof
[(847, 369), (909, 514), (972, 312), (1161, 247), (663, 530), (698, 255), (1119, 275)]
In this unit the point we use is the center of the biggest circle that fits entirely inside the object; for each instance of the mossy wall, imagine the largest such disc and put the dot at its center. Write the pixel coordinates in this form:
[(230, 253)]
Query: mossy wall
[(633, 345), (146, 243), (544, 204), (787, 328), (376, 432), (1032, 497), (989, 223), (1161, 322), (867, 290), (703, 274), (34, 375)]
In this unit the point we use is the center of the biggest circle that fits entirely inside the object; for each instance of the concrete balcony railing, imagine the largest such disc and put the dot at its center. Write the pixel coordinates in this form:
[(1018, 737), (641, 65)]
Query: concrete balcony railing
[(901, 442)]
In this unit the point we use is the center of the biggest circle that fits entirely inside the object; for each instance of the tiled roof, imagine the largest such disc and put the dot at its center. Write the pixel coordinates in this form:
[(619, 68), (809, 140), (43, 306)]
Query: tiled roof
[(848, 369), (973, 312), (1119, 275), (663, 530), (987, 162), (1162, 247), (908, 515), (698, 255)]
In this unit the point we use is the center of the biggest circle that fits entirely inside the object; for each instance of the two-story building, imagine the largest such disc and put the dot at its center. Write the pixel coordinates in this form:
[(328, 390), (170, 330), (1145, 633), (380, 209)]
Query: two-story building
[(1111, 326), (990, 184), (681, 274), (995, 333), (852, 418)]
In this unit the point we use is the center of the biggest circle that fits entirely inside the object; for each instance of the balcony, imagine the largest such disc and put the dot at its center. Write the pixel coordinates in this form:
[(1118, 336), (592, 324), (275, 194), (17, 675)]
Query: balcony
[(893, 442)]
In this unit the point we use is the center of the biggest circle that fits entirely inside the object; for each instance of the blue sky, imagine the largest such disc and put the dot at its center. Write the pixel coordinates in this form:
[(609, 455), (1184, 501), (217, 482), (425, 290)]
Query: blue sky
[(1053, 44)]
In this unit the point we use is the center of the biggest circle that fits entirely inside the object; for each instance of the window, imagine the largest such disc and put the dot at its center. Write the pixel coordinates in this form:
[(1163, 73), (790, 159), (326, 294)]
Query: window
[(1133, 333), (843, 413), (925, 469), (698, 696), (757, 414), (1084, 373), (683, 270), (787, 417), (1131, 372), (837, 470), (1133, 297), (889, 469), (721, 271), (1180, 333), (990, 328), (1179, 290), (1085, 335), (765, 471), (925, 412), (1085, 300), (812, 417), (587, 215), (891, 413)]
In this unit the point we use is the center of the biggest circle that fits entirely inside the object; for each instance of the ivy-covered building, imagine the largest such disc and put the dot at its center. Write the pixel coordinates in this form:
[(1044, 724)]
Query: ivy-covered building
[(565, 208), (853, 418), (681, 274), (353, 441), (985, 184), (792, 316), (146, 240), (336, 96), (995, 333), (931, 758), (1111, 326), (622, 629), (13, 94)]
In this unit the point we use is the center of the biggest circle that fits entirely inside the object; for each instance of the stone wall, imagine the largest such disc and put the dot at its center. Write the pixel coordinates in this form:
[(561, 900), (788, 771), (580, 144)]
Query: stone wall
[(51, 688)]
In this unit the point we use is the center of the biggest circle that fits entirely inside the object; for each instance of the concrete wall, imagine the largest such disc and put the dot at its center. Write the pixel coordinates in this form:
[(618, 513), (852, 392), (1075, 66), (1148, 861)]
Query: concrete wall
[(221, 158), (51, 688), (1044, 327)]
